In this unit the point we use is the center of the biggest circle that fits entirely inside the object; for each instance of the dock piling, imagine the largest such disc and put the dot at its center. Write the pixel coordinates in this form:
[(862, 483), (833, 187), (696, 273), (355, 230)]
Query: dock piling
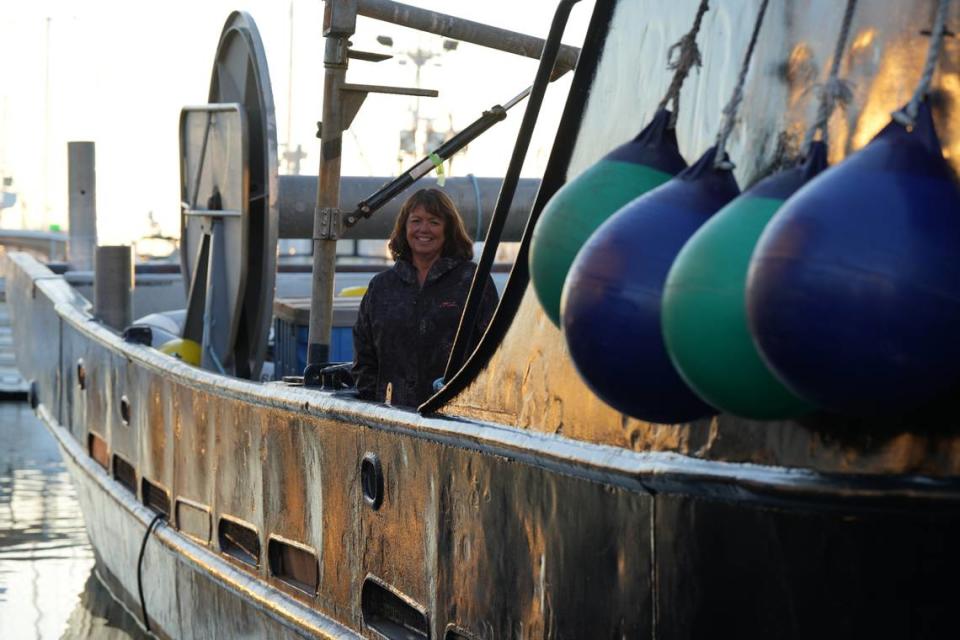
[(113, 286)]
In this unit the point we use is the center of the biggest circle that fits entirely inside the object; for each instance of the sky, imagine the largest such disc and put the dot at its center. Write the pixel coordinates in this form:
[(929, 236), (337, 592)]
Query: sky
[(118, 73)]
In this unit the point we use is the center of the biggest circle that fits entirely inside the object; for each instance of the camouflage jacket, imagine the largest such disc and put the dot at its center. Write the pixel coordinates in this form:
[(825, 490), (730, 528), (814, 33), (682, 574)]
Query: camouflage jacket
[(404, 333)]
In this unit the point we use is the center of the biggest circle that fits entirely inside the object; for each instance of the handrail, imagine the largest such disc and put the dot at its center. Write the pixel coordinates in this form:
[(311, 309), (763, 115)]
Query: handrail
[(52, 244)]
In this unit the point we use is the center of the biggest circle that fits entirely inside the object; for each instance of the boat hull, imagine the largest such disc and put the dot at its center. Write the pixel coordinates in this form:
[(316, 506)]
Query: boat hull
[(482, 531)]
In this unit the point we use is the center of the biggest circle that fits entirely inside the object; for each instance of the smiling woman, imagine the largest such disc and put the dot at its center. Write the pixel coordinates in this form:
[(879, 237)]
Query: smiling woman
[(410, 314)]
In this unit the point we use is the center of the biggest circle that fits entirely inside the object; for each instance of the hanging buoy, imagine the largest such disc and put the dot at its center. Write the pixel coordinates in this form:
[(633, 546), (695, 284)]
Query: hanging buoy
[(704, 305), (854, 292), (611, 301), (577, 209)]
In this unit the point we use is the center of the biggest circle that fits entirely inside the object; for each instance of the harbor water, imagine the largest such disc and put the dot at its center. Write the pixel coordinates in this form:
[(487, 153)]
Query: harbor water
[(48, 582)]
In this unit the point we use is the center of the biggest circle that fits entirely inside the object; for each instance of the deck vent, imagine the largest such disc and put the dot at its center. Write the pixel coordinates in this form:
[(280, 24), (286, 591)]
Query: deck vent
[(391, 614), (294, 564), (155, 497), (193, 520), (125, 410), (97, 448), (81, 375), (125, 474), (239, 541)]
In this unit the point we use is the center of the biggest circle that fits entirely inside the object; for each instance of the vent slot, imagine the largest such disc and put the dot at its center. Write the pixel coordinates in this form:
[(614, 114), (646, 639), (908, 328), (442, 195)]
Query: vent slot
[(392, 614), (294, 564), (125, 474), (456, 633), (97, 448), (193, 519), (156, 497), (239, 541)]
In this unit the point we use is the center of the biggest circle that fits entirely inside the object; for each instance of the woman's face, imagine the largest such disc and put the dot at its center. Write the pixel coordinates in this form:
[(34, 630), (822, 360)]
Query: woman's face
[(425, 233)]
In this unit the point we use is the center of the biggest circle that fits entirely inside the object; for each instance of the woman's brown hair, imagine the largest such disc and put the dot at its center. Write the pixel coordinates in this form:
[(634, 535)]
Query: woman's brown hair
[(456, 242)]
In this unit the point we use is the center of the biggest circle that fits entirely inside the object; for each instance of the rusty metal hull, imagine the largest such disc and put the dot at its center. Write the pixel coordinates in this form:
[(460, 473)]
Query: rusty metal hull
[(483, 531), (191, 593)]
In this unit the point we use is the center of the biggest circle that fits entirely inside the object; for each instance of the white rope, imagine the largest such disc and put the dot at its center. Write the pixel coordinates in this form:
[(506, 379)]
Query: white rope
[(908, 115), (688, 56), (730, 111), (835, 91)]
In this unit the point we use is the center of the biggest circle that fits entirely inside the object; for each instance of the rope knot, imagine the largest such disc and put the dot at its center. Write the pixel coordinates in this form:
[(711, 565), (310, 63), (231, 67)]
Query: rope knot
[(836, 91), (687, 54)]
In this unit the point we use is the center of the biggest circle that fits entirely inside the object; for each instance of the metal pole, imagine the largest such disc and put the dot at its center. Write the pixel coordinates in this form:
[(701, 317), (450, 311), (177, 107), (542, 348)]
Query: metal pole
[(297, 196), (82, 198), (466, 30), (326, 219), (113, 286)]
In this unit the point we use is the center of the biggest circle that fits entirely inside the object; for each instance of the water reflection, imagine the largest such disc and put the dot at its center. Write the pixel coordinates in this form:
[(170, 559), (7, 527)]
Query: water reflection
[(47, 585)]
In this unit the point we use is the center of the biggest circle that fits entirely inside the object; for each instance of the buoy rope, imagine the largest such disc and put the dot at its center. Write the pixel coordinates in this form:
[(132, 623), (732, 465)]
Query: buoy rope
[(908, 115), (835, 91), (730, 111), (688, 57)]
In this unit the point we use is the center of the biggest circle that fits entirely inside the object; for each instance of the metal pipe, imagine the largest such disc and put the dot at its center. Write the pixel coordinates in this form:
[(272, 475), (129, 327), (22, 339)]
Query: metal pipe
[(326, 218), (297, 195), (82, 204), (113, 286), (465, 30)]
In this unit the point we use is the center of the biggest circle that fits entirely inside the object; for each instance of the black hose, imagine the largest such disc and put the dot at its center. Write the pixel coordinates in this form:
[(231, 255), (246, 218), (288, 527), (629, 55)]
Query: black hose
[(143, 547), (553, 178), (498, 220)]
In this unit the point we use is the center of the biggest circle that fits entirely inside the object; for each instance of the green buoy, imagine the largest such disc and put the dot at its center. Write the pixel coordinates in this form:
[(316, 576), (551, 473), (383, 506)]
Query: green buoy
[(583, 204), (704, 316)]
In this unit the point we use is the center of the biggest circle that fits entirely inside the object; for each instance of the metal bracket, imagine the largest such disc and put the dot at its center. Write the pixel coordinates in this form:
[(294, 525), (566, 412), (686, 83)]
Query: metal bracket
[(330, 224), (353, 95), (367, 56)]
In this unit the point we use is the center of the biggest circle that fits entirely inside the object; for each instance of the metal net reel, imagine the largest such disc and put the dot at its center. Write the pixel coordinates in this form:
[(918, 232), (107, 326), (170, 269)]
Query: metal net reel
[(229, 213)]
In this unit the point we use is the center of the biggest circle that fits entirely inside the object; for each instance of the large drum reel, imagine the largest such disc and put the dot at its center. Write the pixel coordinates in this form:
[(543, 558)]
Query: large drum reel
[(229, 215)]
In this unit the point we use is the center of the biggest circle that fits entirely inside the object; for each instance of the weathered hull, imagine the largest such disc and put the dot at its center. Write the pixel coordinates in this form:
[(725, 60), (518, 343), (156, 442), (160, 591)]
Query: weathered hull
[(488, 530), (189, 591)]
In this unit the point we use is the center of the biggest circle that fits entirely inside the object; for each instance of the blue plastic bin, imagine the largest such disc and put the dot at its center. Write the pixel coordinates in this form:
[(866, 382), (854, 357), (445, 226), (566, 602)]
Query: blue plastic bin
[(292, 326)]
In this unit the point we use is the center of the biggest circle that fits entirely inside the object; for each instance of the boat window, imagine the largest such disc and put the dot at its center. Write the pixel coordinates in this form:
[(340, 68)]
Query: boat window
[(193, 520), (125, 474), (294, 564), (239, 541), (156, 497), (97, 449)]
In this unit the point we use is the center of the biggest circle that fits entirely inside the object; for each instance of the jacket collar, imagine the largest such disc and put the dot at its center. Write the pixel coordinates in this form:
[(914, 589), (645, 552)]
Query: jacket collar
[(408, 273)]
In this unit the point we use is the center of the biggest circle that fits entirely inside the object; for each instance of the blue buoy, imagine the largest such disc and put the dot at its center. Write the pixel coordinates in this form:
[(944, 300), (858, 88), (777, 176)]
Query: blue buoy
[(611, 300), (853, 294)]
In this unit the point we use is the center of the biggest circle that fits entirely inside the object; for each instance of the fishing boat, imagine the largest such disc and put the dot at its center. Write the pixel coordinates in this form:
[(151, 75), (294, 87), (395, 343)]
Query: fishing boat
[(514, 503)]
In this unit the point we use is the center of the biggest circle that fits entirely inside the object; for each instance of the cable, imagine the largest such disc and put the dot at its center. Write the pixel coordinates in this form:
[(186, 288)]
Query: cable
[(688, 56), (835, 91), (143, 547), (730, 111), (908, 115)]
